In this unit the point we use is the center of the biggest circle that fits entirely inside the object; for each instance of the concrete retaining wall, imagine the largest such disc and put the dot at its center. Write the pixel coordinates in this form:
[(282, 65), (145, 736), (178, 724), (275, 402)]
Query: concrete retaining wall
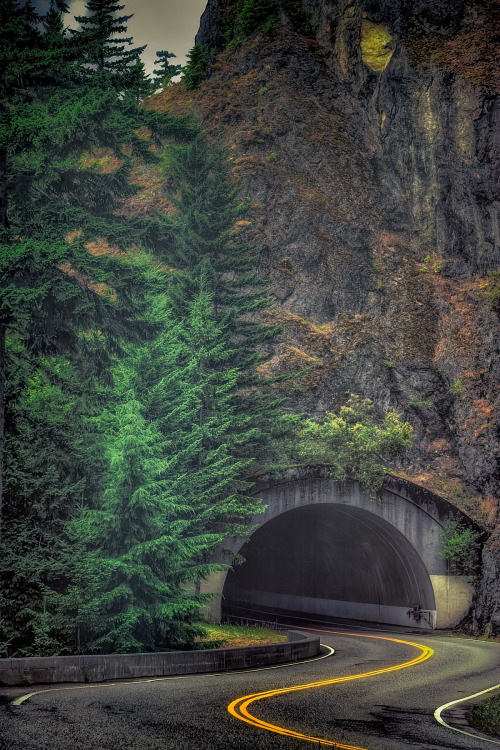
[(126, 666)]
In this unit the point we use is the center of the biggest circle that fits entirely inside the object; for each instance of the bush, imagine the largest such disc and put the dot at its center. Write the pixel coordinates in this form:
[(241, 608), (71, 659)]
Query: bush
[(354, 442), (485, 716), (460, 547)]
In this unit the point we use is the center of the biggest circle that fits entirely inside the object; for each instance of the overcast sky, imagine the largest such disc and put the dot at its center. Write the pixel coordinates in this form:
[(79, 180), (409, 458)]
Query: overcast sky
[(161, 24)]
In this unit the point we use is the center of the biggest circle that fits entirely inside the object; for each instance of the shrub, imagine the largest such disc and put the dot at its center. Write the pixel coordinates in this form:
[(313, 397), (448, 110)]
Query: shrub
[(460, 547), (354, 442), (457, 387), (485, 716), (418, 403)]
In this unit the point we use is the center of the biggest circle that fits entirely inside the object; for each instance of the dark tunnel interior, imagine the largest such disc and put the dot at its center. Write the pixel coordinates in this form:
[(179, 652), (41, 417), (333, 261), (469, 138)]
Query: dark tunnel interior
[(328, 560)]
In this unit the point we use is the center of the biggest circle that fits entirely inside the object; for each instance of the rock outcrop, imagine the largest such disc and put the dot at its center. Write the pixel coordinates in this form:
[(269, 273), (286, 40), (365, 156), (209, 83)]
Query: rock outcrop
[(365, 139)]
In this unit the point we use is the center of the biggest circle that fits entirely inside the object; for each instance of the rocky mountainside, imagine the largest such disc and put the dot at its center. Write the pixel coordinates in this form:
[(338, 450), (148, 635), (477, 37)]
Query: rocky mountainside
[(364, 134)]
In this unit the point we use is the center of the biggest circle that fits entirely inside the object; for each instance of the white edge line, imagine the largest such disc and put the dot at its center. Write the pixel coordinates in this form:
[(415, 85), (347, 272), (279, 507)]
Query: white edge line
[(437, 715), (331, 651)]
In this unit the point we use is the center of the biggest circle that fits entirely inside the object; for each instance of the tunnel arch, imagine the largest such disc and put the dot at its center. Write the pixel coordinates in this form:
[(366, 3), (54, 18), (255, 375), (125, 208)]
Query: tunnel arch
[(406, 512), (329, 560)]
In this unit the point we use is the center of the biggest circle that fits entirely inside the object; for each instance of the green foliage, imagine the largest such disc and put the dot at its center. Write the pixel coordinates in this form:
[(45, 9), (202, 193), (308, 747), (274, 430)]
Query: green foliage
[(256, 15), (65, 309), (460, 547), (130, 555), (174, 489), (300, 18), (430, 264), (50, 443), (210, 234), (492, 288), (354, 443), (485, 716), (164, 70), (417, 403), (104, 54), (457, 388), (273, 157), (196, 69)]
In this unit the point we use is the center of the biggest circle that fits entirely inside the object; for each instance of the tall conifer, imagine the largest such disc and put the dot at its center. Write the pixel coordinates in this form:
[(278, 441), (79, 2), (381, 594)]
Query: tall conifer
[(208, 237), (105, 52)]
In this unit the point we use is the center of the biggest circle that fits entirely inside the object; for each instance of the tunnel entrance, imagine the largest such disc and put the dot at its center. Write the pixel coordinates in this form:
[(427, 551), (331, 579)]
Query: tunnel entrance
[(330, 560)]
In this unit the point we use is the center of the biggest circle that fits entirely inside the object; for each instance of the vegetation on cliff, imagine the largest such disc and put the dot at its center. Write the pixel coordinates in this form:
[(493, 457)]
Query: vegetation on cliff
[(372, 142), (138, 400)]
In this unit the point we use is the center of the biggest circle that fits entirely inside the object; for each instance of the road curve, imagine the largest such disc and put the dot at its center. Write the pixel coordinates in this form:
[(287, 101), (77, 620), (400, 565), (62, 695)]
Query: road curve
[(239, 707), (388, 710)]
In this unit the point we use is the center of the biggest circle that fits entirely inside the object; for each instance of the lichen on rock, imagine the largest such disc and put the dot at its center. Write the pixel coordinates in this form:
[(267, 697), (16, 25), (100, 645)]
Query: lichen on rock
[(377, 46)]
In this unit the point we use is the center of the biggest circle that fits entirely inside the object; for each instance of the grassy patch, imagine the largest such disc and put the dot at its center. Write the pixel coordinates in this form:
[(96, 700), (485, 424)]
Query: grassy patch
[(485, 716), (237, 635)]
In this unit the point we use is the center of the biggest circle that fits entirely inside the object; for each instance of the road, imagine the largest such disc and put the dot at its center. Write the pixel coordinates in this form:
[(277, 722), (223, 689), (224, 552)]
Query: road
[(385, 711)]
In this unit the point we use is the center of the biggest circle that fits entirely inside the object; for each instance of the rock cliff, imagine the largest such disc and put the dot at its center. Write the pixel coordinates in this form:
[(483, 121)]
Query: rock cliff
[(363, 132)]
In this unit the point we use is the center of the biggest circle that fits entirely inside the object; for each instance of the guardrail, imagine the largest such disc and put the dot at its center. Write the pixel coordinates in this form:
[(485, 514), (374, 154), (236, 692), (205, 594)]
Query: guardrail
[(90, 668)]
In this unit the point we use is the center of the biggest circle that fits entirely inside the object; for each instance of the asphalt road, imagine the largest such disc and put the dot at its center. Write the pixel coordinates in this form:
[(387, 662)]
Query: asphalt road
[(388, 711)]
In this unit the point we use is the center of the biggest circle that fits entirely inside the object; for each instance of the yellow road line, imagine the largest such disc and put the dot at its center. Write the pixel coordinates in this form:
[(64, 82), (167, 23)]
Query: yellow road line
[(23, 698), (440, 720), (239, 707)]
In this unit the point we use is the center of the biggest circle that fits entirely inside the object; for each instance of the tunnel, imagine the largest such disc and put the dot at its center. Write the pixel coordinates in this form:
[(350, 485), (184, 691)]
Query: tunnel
[(329, 561)]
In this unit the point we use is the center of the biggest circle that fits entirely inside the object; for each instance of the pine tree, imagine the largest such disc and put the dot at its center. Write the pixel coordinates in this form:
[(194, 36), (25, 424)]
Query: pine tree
[(164, 70), (208, 238), (106, 54), (69, 291), (173, 493), (196, 68)]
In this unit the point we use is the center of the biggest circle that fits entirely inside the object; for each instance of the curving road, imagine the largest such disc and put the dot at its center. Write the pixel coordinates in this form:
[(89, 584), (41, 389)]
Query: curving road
[(387, 710)]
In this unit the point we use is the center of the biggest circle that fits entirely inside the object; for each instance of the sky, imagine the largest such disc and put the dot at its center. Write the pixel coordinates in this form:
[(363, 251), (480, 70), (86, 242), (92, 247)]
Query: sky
[(161, 24)]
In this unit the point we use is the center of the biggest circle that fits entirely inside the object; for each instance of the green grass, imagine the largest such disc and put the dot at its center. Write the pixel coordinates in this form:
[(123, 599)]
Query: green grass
[(237, 635), (485, 716)]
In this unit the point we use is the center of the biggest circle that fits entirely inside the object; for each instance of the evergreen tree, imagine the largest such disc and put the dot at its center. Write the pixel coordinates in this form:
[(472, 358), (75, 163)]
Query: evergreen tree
[(104, 51), (128, 577), (50, 444), (257, 14), (174, 490), (195, 70), (208, 238), (69, 291), (164, 70)]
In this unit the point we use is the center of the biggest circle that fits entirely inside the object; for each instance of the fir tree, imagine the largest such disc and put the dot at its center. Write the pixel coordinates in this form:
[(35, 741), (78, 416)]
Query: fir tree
[(174, 490), (195, 70), (51, 442), (68, 289), (128, 581), (208, 238), (164, 70), (104, 51)]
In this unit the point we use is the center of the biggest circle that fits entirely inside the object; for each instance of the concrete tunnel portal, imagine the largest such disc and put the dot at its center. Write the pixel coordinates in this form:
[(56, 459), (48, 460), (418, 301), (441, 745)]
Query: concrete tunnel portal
[(329, 560)]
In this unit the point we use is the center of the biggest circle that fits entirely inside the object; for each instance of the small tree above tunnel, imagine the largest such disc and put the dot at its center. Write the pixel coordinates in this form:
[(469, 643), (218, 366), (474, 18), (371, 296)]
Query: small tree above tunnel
[(355, 443)]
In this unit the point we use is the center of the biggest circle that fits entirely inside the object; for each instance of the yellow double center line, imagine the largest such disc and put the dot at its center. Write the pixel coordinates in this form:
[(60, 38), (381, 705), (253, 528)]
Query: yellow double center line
[(239, 707)]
